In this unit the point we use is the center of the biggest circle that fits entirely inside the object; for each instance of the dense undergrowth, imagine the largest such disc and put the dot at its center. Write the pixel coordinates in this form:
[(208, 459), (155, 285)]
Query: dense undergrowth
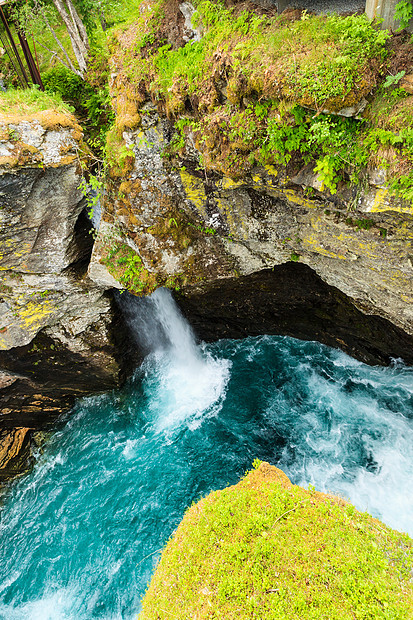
[(269, 550), (264, 90)]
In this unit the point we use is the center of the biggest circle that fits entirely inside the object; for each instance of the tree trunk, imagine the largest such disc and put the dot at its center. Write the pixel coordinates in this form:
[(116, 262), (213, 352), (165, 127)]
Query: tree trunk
[(76, 30), (68, 62)]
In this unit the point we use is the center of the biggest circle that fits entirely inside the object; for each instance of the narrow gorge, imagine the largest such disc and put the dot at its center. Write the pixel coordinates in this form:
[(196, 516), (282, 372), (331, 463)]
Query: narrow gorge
[(269, 188)]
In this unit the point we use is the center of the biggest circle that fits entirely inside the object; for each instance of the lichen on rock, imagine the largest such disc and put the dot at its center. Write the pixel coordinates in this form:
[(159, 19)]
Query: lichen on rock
[(56, 326), (232, 165)]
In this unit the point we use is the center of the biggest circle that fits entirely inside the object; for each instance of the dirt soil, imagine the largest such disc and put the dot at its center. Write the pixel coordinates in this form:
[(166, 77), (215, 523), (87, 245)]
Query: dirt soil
[(401, 53)]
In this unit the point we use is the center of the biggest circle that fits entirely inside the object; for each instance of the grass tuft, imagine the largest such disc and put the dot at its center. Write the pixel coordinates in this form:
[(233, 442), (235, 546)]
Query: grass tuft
[(30, 101)]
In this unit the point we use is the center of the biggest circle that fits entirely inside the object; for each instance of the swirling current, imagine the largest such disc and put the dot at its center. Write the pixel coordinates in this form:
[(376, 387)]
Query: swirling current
[(80, 535)]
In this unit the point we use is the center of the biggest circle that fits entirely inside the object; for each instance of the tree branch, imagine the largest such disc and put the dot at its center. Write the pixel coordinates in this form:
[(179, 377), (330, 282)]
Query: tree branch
[(54, 55), (70, 65)]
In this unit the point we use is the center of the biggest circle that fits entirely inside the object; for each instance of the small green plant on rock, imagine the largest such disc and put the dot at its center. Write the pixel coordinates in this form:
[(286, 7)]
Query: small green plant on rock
[(91, 190), (403, 13)]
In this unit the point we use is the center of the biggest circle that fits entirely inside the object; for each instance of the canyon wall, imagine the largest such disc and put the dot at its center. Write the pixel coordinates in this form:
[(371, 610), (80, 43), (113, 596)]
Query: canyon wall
[(57, 328), (237, 249), (234, 187)]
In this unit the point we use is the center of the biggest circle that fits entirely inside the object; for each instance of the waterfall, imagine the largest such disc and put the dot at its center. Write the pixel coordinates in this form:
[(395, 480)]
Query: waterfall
[(183, 379), (80, 535)]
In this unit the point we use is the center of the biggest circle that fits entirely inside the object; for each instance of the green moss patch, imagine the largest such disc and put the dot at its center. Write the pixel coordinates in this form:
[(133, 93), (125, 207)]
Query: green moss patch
[(255, 90), (317, 61), (269, 550), (30, 101)]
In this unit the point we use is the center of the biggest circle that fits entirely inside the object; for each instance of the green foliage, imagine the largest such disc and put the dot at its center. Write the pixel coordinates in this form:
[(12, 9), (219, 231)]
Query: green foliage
[(125, 265), (403, 13), (68, 85), (335, 76), (361, 224), (325, 63), (268, 550), (31, 100), (132, 268), (100, 117), (90, 100), (98, 13), (337, 50), (273, 73), (402, 186), (92, 190), (391, 80), (327, 168), (283, 139)]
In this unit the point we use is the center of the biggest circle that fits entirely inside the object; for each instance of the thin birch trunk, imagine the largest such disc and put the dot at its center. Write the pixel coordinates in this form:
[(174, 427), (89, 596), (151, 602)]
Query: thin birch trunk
[(67, 64), (76, 30)]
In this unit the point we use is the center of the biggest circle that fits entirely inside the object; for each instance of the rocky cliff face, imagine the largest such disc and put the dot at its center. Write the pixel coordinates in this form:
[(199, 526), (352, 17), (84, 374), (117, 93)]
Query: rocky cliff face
[(270, 250), (229, 165), (206, 235), (57, 328)]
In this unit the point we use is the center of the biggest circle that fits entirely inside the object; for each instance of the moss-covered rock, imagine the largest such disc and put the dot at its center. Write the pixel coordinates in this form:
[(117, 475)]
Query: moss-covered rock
[(269, 550), (224, 162), (267, 89)]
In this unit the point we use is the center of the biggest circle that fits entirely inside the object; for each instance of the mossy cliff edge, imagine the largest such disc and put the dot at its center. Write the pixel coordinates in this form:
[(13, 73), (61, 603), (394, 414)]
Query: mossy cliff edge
[(270, 550), (252, 140)]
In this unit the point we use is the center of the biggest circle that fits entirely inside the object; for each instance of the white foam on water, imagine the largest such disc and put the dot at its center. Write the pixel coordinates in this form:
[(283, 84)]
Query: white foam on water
[(185, 383), (184, 389), (354, 446), (57, 605), (129, 451)]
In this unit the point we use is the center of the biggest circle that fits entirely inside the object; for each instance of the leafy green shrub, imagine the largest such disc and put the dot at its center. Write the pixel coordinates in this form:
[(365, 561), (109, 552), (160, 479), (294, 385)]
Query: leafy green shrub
[(65, 83), (90, 98), (403, 13)]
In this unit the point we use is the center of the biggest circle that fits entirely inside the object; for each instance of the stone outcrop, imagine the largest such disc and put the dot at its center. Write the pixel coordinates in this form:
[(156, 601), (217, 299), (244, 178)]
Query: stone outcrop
[(269, 252), (265, 548), (200, 232), (57, 328)]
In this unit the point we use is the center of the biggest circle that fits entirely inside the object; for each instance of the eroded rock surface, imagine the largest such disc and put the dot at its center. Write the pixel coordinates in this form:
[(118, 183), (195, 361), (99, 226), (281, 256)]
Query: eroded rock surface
[(191, 228), (57, 328), (270, 252)]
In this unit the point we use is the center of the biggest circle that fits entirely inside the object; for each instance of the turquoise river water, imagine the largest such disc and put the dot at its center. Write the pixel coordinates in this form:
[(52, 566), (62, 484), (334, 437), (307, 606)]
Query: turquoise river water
[(80, 535)]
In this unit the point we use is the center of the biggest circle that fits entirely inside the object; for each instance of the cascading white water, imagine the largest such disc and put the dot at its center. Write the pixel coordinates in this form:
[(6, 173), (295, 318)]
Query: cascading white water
[(81, 534), (184, 381), (178, 332)]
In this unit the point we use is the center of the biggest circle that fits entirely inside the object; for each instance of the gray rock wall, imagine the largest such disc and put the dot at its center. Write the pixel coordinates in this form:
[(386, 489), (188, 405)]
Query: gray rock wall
[(199, 227), (57, 328)]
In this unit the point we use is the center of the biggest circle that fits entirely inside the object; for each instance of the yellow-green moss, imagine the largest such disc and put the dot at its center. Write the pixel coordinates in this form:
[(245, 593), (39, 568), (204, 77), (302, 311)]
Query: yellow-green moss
[(269, 550)]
